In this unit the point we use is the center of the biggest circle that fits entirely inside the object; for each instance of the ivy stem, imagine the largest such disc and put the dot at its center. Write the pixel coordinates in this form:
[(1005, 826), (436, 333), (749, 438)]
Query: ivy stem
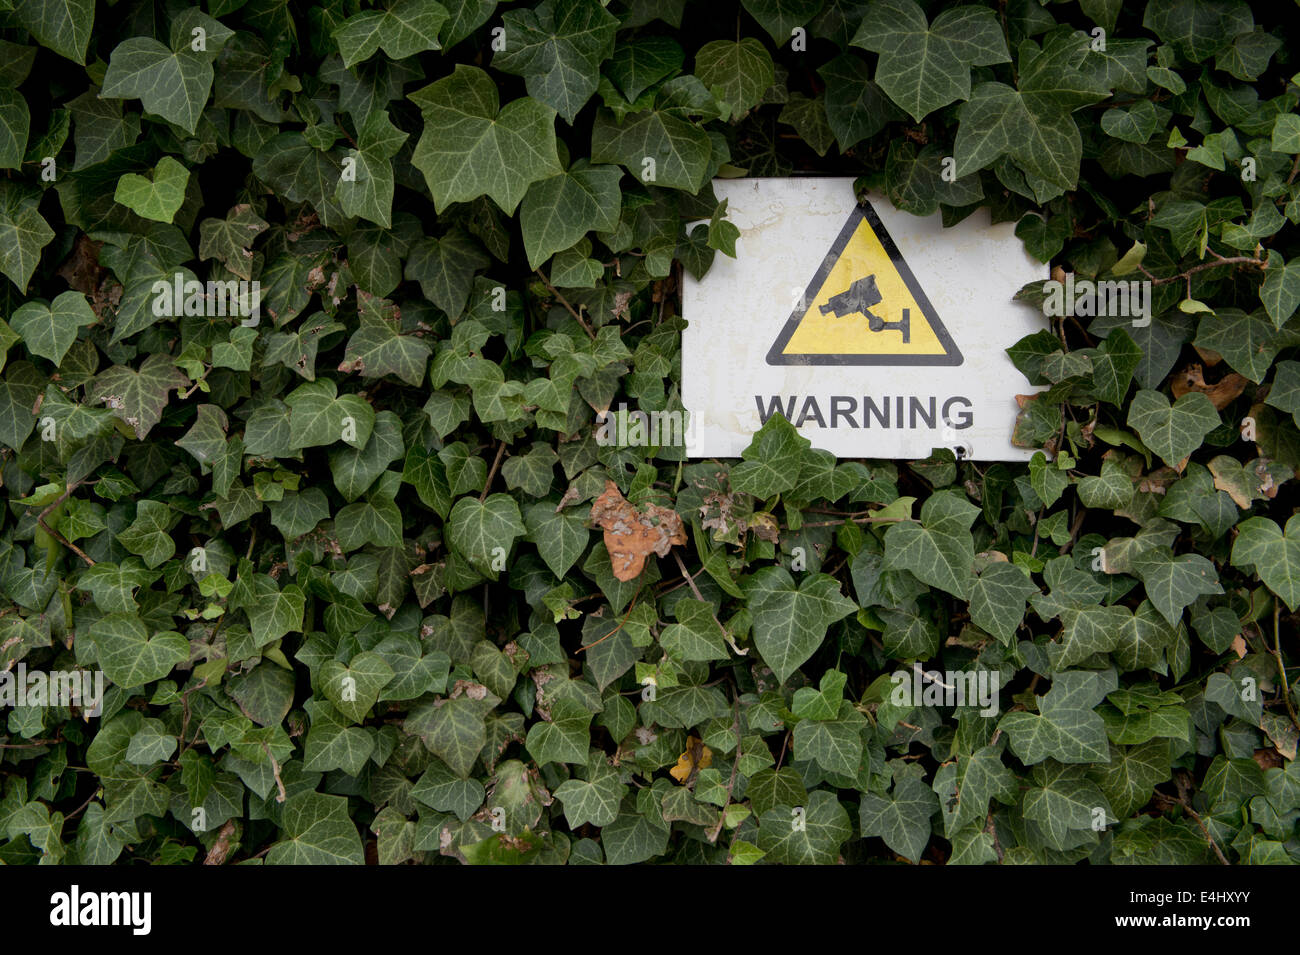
[(565, 302), (731, 783), (55, 534), (496, 464), (1281, 668), (1221, 261)]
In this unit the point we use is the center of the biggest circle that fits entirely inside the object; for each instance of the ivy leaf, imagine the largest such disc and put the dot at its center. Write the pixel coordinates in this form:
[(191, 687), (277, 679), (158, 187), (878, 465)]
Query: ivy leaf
[(790, 621), (1173, 432), (638, 64), (594, 799), (1132, 774), (15, 124), (354, 688), (320, 415), (924, 66), (368, 191), (1280, 292), (483, 532), (1088, 630), (977, 780), (1062, 802), (1196, 28), (454, 730), (772, 460), (148, 534), (634, 837), (814, 838), (470, 147), (407, 27), (560, 537), (1112, 489), (275, 612), (662, 147), (1274, 554), (113, 586), (23, 233), (903, 818), (559, 211), (320, 832), (355, 470), (997, 600), (50, 330), (739, 73), (62, 25), (1066, 727), (173, 85), (443, 791), (780, 17), (558, 46), (939, 550), (334, 744), (1247, 341), (856, 108), (833, 744), (565, 738), (1174, 582), (378, 347), (696, 636), (1031, 124), (158, 198), (138, 397), (129, 655), (229, 240), (1113, 366)]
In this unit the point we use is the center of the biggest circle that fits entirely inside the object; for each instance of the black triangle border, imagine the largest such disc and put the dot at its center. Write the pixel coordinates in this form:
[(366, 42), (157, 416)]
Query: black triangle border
[(865, 211)]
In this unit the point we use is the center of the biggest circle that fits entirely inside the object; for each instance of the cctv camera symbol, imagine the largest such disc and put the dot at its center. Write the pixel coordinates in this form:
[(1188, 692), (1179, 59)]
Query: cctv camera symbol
[(858, 299)]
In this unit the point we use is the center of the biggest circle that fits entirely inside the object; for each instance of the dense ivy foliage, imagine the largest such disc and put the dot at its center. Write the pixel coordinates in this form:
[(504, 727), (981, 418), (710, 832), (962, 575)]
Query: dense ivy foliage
[(353, 567)]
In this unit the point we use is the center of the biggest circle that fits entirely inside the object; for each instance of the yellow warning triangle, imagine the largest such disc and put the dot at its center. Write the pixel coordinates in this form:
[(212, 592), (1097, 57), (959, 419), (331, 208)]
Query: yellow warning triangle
[(864, 307)]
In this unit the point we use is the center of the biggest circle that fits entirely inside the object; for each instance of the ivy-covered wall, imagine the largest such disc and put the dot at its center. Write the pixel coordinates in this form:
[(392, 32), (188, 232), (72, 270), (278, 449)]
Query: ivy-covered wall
[(309, 311)]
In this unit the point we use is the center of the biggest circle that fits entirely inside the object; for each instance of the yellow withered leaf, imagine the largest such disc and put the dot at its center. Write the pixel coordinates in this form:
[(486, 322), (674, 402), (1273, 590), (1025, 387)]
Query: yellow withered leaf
[(697, 757)]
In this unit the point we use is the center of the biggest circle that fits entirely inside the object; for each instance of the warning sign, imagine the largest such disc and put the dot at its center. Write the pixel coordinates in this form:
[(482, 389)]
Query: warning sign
[(864, 307), (876, 333)]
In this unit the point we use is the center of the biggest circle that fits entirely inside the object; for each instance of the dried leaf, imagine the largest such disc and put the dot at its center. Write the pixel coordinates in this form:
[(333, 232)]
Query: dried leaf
[(632, 535)]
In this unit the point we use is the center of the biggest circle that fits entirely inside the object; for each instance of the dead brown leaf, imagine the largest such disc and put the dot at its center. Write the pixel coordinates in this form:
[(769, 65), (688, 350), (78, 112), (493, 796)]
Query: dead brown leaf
[(1208, 355), (1221, 394), (81, 268), (632, 535)]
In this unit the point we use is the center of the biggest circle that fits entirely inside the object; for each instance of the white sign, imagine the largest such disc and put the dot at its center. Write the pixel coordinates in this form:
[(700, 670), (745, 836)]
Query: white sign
[(878, 334)]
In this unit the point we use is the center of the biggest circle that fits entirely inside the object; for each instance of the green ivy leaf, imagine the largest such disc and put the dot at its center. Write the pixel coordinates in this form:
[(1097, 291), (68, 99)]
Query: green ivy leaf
[(939, 549), (407, 27), (173, 85), (924, 66), (1172, 431), (558, 46), (320, 832), (158, 198), (790, 620), (128, 654), (50, 330), (1273, 553), (471, 147)]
